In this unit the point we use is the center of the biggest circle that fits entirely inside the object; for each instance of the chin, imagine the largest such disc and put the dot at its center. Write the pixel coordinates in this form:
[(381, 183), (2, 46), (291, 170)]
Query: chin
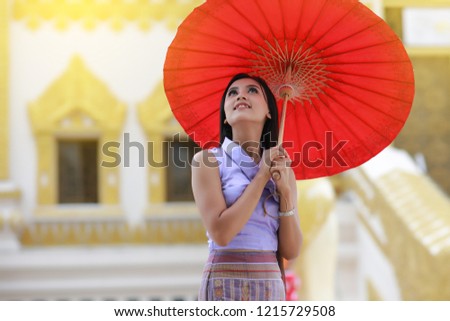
[(246, 119)]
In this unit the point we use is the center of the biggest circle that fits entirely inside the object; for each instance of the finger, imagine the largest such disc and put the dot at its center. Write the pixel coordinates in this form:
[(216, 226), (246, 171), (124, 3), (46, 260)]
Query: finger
[(280, 152), (276, 152), (287, 161), (283, 151), (280, 171), (281, 163), (276, 175), (277, 168)]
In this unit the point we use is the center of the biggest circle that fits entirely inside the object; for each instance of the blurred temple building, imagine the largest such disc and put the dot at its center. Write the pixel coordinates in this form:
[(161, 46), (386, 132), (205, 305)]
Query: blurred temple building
[(95, 196)]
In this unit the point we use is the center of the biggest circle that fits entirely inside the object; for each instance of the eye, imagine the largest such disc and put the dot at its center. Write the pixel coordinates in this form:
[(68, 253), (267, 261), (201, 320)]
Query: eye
[(232, 92), (253, 90)]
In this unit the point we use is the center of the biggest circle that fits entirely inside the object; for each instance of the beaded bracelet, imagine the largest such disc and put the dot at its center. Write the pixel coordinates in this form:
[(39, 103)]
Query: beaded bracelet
[(288, 213)]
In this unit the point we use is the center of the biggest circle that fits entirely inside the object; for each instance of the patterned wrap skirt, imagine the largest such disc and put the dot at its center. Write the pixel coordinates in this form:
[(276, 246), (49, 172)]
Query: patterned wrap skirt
[(242, 276)]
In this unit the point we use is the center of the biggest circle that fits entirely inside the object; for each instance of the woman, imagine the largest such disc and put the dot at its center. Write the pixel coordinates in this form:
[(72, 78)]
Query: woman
[(248, 216)]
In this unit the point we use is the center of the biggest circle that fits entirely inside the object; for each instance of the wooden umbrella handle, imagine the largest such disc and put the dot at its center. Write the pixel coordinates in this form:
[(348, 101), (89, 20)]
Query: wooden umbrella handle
[(276, 175)]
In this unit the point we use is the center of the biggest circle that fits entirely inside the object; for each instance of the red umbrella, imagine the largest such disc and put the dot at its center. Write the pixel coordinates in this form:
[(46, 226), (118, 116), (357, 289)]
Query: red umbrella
[(344, 76)]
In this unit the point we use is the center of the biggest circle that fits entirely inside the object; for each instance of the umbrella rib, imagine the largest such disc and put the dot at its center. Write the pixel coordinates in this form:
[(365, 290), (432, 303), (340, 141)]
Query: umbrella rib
[(273, 50), (280, 53), (226, 40), (250, 21), (335, 24), (315, 136), (315, 22), (349, 128), (299, 52), (372, 91), (198, 82), (299, 22), (360, 48), (266, 20), (407, 82), (268, 69), (175, 69), (352, 35), (268, 63), (294, 53), (207, 52), (366, 104), (370, 62), (363, 121), (198, 121), (371, 77), (226, 24), (297, 135), (283, 20), (254, 27), (196, 100), (307, 116)]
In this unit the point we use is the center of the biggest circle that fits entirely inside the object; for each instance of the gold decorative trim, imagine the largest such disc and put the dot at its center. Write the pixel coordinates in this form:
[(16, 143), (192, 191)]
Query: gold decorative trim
[(414, 215), (14, 194), (105, 225), (429, 51), (77, 105), (4, 101), (158, 122), (416, 3), (90, 14), (372, 293)]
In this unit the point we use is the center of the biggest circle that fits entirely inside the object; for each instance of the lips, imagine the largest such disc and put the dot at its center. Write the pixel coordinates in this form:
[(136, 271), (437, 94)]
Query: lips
[(242, 106)]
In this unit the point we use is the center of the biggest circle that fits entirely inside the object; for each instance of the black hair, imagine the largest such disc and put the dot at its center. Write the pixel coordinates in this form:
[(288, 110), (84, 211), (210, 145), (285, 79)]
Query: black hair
[(269, 135)]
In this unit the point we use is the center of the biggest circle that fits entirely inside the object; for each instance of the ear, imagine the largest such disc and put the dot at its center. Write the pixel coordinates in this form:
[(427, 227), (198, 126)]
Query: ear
[(269, 115)]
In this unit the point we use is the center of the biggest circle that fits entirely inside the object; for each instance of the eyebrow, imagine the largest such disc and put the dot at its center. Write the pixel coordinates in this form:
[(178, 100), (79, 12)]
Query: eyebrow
[(248, 86)]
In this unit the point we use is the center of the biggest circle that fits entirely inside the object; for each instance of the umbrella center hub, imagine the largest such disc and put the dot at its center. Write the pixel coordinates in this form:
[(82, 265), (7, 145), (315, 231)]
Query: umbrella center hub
[(291, 69)]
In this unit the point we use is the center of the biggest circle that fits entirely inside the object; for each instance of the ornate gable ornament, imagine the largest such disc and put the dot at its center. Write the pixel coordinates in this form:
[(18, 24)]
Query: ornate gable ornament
[(77, 105), (91, 13), (77, 100)]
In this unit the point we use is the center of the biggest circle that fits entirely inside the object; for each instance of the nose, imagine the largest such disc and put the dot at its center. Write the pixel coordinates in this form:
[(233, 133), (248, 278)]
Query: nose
[(241, 97)]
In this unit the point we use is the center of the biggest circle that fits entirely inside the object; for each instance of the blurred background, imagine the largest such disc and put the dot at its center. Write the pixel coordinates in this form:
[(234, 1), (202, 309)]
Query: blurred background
[(81, 89)]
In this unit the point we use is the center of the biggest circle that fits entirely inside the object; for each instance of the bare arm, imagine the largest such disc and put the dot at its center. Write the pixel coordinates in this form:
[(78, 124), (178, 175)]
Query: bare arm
[(289, 234), (221, 222)]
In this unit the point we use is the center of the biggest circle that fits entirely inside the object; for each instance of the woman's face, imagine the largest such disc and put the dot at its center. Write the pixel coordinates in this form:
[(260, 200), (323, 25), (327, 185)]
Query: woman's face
[(246, 102)]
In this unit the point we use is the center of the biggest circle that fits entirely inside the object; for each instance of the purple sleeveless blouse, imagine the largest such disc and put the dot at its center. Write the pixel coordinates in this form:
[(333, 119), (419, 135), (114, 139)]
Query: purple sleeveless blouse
[(237, 169)]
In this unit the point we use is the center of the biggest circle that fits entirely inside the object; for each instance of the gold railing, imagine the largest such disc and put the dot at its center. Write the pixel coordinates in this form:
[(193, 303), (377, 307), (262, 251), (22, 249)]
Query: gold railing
[(415, 228), (78, 226)]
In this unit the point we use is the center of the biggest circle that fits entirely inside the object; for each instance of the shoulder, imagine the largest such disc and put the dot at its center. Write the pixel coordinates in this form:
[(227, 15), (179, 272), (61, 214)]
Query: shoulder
[(205, 171), (205, 159)]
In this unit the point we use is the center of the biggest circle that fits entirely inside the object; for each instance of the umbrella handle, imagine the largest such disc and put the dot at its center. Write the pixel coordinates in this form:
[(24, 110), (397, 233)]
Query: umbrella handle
[(276, 175)]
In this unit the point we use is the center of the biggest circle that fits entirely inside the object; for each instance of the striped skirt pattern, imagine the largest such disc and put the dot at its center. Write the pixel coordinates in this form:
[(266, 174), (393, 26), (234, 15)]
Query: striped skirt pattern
[(241, 276)]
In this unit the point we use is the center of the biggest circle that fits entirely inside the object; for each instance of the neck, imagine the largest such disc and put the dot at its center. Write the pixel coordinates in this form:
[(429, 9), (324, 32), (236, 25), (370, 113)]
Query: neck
[(249, 140)]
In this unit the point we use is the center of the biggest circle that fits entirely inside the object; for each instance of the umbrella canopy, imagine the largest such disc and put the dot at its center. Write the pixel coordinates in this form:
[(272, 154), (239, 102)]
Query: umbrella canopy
[(349, 80)]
